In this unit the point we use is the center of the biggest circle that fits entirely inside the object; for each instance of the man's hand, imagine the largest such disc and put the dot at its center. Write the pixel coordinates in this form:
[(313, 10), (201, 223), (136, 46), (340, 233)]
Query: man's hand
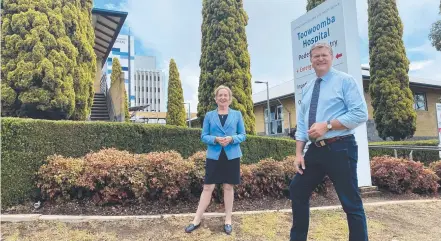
[(300, 161), (317, 130)]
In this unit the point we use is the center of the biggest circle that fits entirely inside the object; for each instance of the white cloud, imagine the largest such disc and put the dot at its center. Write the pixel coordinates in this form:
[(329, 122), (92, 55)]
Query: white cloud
[(110, 6), (426, 10), (190, 83), (419, 65)]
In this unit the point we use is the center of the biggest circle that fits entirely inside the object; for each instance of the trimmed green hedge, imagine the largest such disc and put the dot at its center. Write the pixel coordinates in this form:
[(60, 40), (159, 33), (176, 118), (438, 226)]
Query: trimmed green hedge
[(425, 157), (27, 142)]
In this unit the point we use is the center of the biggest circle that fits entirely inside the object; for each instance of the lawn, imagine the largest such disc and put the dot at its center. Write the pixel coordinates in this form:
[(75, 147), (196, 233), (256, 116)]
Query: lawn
[(410, 221)]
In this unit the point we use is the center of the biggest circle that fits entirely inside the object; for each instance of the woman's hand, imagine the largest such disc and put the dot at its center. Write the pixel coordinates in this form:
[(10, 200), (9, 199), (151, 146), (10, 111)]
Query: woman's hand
[(224, 141)]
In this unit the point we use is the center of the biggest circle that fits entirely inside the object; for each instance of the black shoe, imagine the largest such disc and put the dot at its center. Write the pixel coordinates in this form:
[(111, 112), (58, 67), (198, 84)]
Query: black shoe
[(190, 228), (228, 229)]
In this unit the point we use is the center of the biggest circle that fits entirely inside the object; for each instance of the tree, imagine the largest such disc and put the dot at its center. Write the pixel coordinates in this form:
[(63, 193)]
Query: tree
[(313, 3), (392, 99), (116, 79), (38, 60), (435, 33), (225, 59), (175, 105), (77, 17)]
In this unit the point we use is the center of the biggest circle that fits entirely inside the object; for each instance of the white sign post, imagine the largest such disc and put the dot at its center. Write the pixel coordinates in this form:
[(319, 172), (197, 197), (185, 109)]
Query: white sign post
[(334, 22), (438, 118)]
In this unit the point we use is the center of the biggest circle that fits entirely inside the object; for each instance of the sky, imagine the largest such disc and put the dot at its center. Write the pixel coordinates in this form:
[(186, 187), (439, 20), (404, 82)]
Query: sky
[(172, 29)]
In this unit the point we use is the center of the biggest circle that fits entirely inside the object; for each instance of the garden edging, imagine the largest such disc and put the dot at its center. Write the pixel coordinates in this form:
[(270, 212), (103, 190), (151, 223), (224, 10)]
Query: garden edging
[(83, 218)]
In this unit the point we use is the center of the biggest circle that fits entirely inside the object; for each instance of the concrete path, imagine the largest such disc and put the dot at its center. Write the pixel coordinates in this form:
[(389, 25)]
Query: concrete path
[(83, 218)]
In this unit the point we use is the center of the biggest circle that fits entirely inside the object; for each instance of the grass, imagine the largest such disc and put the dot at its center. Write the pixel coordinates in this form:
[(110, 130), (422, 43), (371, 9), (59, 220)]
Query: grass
[(417, 221)]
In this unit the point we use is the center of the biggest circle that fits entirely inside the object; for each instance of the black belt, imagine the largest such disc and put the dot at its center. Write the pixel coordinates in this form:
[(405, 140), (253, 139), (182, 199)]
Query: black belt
[(328, 141)]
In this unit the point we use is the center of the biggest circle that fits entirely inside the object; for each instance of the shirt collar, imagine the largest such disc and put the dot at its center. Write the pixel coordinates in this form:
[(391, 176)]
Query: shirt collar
[(328, 75)]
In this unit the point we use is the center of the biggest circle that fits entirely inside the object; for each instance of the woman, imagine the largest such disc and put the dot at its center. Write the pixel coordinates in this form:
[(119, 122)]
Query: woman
[(223, 131)]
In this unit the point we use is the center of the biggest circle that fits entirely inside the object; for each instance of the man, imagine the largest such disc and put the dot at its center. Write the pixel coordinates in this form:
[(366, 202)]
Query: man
[(332, 106)]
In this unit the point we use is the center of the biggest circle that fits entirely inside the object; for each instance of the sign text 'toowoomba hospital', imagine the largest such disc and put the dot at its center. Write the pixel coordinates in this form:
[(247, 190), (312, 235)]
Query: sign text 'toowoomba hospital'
[(318, 30)]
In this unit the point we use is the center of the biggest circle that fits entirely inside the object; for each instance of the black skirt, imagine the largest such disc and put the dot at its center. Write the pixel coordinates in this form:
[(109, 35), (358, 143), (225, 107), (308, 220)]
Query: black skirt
[(223, 170)]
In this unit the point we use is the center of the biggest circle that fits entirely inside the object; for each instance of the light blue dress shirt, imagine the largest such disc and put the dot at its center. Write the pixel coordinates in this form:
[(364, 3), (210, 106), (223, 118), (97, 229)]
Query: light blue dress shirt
[(340, 98)]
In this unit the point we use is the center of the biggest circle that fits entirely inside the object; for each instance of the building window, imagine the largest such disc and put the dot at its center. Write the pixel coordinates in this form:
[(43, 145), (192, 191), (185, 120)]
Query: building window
[(420, 101), (276, 120)]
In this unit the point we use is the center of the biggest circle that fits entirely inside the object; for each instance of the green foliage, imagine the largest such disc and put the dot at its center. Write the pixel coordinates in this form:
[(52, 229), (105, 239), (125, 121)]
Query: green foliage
[(116, 78), (425, 157), (26, 143), (48, 61), (126, 107), (225, 59), (38, 60), (392, 98), (313, 3), (435, 33), (77, 17), (175, 106)]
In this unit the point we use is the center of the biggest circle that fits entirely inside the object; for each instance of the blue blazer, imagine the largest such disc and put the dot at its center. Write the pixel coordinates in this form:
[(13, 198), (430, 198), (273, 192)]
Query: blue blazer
[(213, 128)]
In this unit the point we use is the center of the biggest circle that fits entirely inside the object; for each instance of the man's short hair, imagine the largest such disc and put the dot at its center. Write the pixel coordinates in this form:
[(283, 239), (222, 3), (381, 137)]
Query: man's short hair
[(320, 45)]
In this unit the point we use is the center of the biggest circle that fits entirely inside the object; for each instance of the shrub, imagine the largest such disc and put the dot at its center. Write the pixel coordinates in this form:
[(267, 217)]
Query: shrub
[(402, 176), (168, 176), (246, 188), (59, 176), (198, 174), (26, 143), (436, 167), (112, 176)]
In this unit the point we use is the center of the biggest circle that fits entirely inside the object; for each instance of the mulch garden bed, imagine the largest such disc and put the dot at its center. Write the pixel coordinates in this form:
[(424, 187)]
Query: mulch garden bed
[(86, 207)]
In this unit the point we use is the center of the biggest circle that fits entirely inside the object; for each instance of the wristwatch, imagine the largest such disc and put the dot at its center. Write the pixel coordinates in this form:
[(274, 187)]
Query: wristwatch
[(329, 125)]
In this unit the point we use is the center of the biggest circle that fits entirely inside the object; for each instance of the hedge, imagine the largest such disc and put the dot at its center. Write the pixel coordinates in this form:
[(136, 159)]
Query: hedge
[(26, 143), (425, 157)]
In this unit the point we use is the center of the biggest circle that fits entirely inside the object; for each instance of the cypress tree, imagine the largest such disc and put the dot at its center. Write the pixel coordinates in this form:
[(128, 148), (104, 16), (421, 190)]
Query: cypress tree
[(175, 106), (77, 17), (435, 33), (392, 98), (38, 60), (225, 59), (115, 78), (313, 3)]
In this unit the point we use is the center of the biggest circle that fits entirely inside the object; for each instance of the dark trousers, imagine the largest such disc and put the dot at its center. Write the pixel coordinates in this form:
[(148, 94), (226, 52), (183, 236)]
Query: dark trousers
[(338, 160)]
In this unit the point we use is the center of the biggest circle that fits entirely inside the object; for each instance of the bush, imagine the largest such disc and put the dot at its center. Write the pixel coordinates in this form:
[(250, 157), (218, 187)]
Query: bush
[(402, 176), (436, 167), (198, 174), (269, 178), (59, 176), (168, 175), (114, 176), (26, 143), (111, 176), (425, 157)]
